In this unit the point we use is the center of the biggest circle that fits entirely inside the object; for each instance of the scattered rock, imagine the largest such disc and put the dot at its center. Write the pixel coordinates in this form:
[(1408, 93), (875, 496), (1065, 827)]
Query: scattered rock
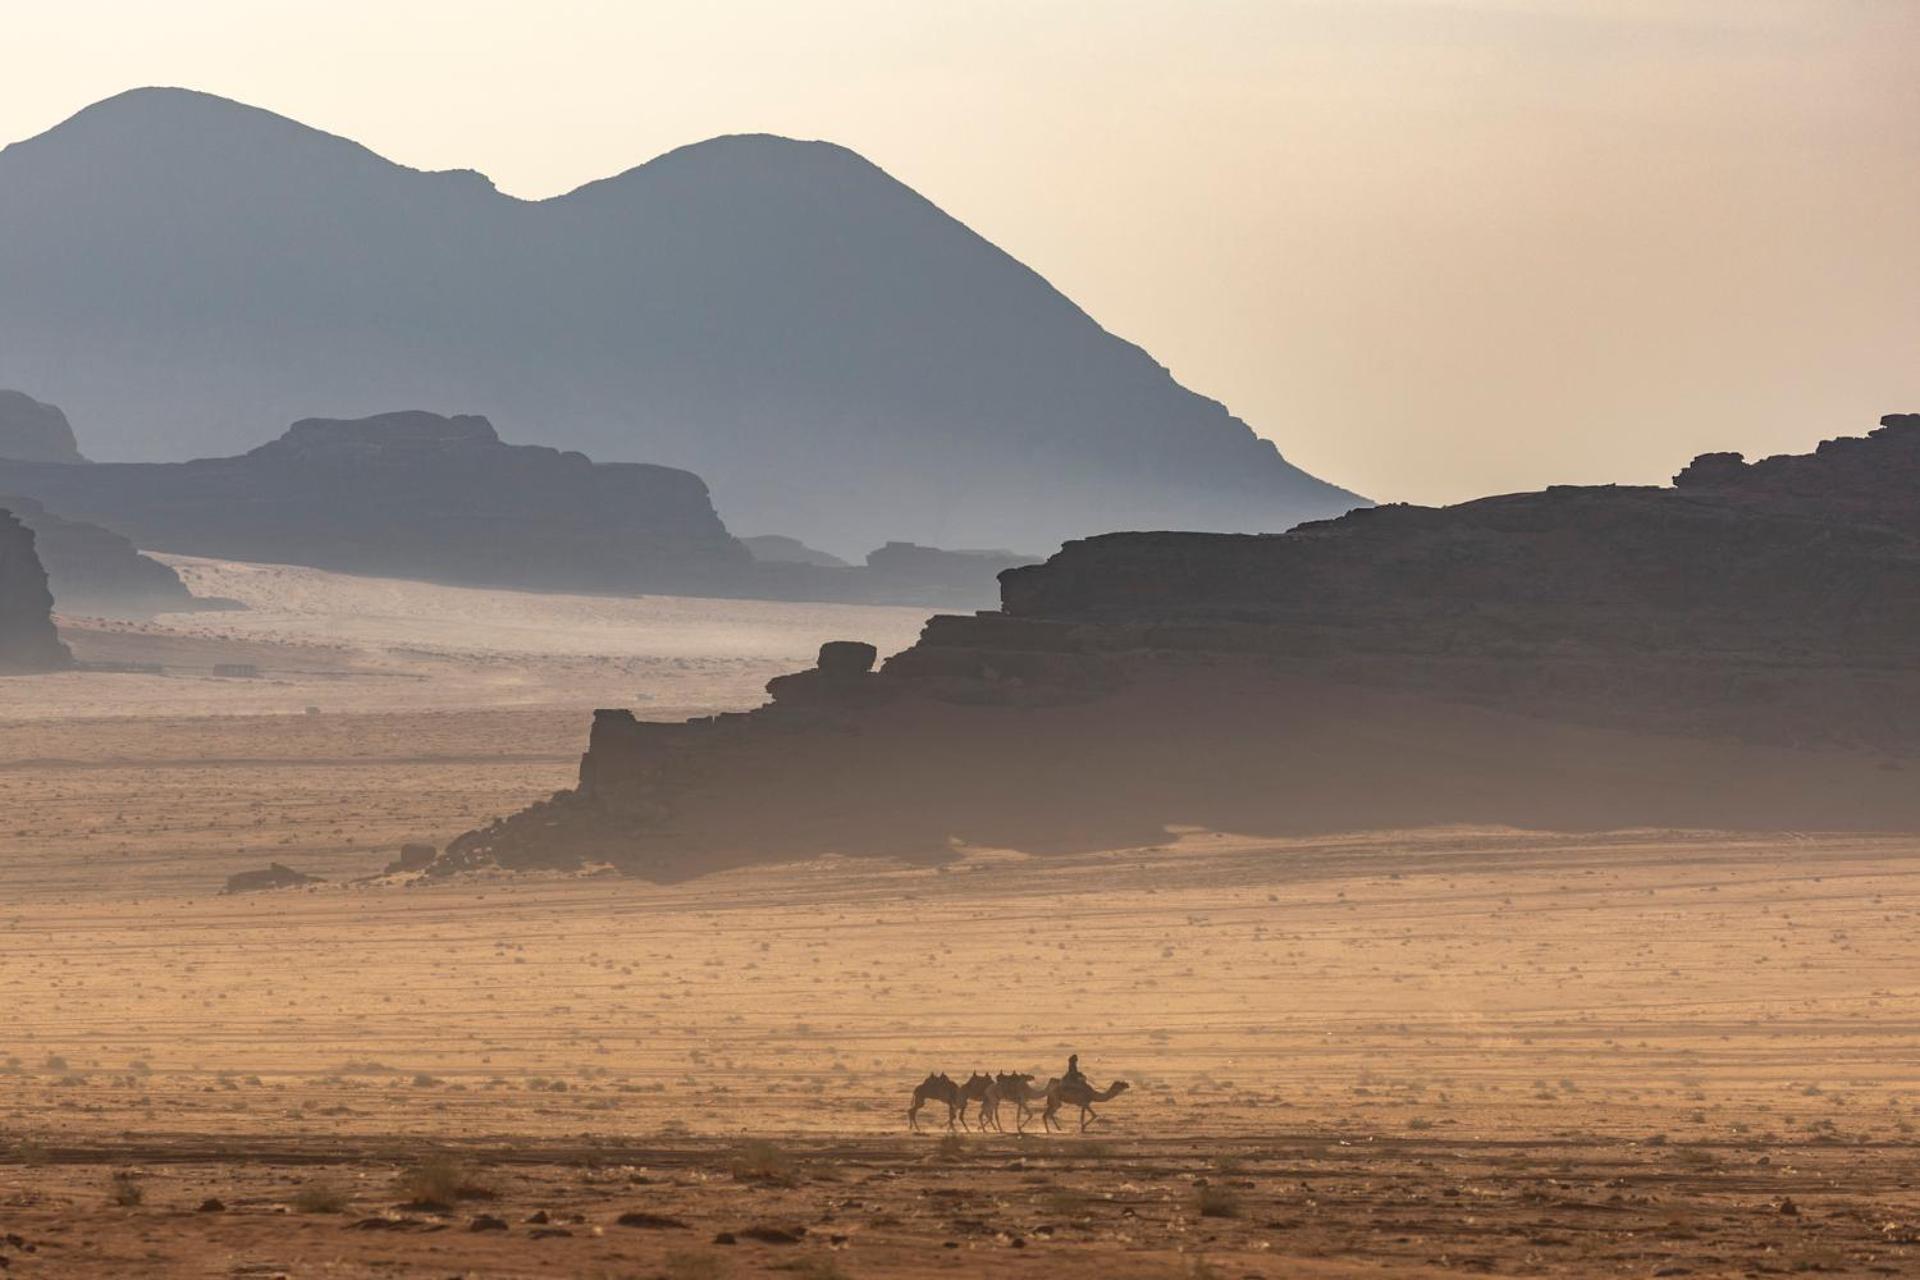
[(211, 1205), (487, 1222), (651, 1221)]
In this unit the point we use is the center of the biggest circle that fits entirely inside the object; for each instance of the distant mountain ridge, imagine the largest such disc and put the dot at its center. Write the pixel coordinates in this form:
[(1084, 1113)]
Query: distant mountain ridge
[(840, 360)]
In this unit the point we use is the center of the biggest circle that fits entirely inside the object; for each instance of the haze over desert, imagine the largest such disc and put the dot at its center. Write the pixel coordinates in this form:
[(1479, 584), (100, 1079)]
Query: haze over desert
[(660, 642)]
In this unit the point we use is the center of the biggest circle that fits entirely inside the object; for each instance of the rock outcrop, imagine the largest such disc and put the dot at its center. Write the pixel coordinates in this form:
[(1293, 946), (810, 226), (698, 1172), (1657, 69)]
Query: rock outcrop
[(28, 641), (97, 573), (413, 495), (775, 548), (1740, 650), (35, 432)]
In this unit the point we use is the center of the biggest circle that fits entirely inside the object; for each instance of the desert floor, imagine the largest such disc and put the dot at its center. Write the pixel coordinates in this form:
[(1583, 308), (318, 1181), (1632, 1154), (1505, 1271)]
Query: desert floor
[(1411, 1053)]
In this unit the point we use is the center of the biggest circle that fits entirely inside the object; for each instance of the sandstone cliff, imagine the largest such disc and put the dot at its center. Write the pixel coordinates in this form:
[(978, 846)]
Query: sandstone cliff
[(96, 572), (1739, 650), (28, 642)]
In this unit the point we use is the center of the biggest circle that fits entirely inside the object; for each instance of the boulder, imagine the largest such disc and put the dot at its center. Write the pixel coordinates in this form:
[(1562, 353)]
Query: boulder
[(413, 857), (846, 659)]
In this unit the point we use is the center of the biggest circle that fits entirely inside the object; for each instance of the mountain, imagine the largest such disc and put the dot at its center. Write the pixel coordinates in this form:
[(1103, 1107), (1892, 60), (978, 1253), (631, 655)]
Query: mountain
[(28, 642), (35, 432), (1734, 652), (841, 360)]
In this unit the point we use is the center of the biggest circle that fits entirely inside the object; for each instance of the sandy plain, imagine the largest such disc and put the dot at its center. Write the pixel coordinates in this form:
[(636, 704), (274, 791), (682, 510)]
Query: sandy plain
[(1434, 1052)]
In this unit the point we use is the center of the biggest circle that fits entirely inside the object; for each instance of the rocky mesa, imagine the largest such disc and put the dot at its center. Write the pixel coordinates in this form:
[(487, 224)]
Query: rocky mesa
[(1735, 651), (415, 495)]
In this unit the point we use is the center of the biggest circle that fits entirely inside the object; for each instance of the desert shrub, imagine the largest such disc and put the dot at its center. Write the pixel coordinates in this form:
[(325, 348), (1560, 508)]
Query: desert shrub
[(683, 1265), (25, 1151), (124, 1189), (1418, 1123), (950, 1147), (1216, 1202), (815, 1267), (321, 1195), (763, 1162), (441, 1180)]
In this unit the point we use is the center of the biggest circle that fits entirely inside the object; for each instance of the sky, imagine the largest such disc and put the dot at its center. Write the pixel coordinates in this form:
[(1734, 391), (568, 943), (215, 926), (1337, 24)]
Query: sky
[(1432, 248)]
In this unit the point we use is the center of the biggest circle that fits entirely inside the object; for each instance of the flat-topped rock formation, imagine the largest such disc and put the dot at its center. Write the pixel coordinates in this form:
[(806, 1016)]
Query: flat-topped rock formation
[(28, 642), (444, 499), (1710, 655), (35, 432), (412, 495)]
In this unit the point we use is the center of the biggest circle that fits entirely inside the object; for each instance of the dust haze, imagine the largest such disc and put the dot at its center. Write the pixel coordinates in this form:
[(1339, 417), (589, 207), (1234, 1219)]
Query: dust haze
[(827, 679)]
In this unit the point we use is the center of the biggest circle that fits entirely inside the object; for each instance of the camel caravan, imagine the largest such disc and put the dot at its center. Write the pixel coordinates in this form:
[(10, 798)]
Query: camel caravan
[(990, 1091)]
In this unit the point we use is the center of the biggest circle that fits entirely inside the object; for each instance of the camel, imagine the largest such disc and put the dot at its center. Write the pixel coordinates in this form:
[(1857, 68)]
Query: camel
[(1076, 1093), (935, 1088), (975, 1090), (1014, 1087)]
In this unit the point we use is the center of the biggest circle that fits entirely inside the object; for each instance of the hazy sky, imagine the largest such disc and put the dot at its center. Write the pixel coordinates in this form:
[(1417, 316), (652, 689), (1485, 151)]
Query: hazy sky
[(1434, 248)]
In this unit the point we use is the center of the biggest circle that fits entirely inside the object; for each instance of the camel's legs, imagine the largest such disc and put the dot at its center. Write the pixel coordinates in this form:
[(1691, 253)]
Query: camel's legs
[(963, 1116), (1086, 1117), (913, 1115)]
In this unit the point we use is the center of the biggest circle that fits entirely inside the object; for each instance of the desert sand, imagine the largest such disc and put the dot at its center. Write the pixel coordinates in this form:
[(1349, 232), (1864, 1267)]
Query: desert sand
[(1439, 1051)]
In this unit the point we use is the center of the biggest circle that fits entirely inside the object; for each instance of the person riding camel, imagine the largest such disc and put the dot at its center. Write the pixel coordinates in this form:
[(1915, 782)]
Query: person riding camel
[(1073, 1075)]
